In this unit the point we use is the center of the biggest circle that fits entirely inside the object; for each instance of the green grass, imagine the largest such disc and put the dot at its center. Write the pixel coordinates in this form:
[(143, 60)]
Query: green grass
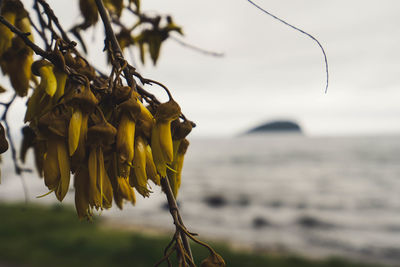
[(33, 235)]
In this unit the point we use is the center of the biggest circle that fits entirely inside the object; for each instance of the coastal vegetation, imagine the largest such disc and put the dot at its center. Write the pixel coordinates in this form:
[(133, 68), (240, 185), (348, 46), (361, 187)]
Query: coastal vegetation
[(32, 235)]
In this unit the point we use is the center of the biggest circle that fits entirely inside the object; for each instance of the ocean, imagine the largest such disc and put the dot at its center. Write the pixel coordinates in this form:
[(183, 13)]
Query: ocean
[(314, 196)]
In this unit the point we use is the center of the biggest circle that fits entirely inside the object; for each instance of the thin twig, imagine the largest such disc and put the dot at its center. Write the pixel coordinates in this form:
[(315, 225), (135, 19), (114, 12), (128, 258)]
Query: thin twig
[(303, 32), (42, 23), (165, 258), (50, 14), (174, 212), (110, 36), (150, 81), (195, 48)]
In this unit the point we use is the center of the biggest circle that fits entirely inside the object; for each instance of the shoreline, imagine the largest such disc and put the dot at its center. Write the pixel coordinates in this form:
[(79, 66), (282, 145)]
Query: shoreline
[(274, 250)]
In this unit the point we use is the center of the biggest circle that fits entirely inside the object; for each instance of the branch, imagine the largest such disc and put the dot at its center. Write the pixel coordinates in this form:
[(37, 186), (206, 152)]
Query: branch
[(53, 17), (116, 49), (110, 36), (195, 48), (41, 32), (173, 208)]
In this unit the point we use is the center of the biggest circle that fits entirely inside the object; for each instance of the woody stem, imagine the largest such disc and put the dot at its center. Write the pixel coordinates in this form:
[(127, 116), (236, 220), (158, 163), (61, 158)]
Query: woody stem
[(110, 37), (173, 208), (116, 50)]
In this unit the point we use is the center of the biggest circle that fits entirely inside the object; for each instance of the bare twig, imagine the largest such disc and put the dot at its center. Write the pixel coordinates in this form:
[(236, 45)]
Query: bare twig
[(150, 81), (116, 49), (173, 207), (195, 48), (52, 16), (110, 36)]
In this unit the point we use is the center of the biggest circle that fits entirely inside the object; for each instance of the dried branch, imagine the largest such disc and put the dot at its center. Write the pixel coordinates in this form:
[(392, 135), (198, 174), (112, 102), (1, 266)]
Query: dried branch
[(110, 37), (117, 53), (173, 208), (197, 49), (50, 13)]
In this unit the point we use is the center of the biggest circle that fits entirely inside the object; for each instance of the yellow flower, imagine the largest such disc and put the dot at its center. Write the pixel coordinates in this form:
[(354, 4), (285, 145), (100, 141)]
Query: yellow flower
[(161, 139), (83, 103), (129, 111), (81, 184), (174, 174), (138, 173), (56, 165), (100, 193)]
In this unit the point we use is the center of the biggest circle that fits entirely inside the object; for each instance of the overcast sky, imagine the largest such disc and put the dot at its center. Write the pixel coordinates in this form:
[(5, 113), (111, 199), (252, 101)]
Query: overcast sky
[(270, 71)]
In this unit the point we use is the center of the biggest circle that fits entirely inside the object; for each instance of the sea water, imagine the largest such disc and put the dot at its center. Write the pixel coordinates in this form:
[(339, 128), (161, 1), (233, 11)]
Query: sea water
[(325, 196)]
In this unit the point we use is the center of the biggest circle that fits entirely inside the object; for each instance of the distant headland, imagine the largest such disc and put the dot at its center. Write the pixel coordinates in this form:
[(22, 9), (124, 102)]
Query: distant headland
[(282, 126)]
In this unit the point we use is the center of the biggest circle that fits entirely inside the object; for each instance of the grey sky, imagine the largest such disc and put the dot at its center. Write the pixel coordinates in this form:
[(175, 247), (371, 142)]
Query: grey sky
[(271, 71)]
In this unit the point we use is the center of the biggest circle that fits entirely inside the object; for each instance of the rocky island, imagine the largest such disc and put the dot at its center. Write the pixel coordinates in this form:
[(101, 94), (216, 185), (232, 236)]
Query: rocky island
[(276, 127)]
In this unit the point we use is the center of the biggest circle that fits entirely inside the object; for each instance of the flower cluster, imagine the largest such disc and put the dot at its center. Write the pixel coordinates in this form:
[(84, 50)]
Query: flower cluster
[(85, 124), (106, 132), (105, 136)]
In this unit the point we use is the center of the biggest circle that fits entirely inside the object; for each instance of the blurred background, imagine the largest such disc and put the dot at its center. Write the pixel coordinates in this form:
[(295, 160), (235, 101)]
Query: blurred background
[(331, 189)]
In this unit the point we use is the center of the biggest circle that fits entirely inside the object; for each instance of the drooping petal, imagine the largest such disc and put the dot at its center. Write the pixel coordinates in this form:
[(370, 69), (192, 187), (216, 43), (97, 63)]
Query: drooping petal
[(158, 156), (166, 140), (139, 167), (151, 168), (101, 172), (94, 194), (74, 130), (51, 170), (81, 184), (125, 139), (48, 79), (63, 163)]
